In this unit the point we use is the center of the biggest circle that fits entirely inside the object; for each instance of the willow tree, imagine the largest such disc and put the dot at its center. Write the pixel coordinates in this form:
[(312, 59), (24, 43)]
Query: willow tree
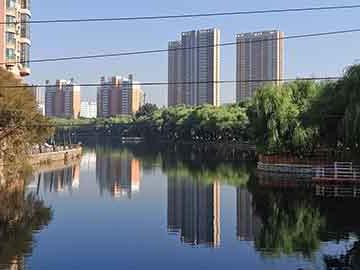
[(21, 124), (277, 121), (337, 111)]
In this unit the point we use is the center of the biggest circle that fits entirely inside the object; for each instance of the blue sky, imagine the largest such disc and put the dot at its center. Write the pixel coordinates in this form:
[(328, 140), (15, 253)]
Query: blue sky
[(325, 56)]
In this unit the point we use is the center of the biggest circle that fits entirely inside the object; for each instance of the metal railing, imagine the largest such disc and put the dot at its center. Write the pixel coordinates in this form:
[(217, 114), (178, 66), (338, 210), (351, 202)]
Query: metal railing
[(337, 171)]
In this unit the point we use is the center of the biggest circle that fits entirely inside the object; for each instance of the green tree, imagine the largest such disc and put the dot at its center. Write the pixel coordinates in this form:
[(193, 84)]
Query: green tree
[(277, 118), (21, 125), (146, 110)]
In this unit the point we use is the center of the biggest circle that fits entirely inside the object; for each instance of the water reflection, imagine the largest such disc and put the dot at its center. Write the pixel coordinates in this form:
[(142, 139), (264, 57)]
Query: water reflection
[(248, 223), (194, 211), (209, 204), (21, 215), (117, 173), (59, 179)]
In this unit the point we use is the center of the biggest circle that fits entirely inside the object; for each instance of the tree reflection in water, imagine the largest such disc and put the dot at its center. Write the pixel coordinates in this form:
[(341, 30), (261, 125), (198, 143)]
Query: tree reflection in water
[(21, 215), (297, 218), (290, 223)]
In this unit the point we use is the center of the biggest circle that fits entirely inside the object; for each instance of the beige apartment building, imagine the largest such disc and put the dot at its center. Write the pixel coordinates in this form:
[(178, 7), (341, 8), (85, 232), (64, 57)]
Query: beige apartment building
[(119, 96), (15, 37), (194, 68), (62, 99), (260, 56)]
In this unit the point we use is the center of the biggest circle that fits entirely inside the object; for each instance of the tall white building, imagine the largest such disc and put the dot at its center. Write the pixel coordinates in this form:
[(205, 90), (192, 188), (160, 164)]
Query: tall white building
[(260, 56), (194, 68), (39, 95), (88, 109)]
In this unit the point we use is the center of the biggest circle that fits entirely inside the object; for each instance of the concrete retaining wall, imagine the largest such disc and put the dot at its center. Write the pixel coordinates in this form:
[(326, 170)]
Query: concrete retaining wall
[(66, 155), (286, 168)]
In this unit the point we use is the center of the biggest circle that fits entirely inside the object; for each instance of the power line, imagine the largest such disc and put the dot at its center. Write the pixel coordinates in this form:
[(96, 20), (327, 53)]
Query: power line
[(331, 78), (319, 34), (195, 15)]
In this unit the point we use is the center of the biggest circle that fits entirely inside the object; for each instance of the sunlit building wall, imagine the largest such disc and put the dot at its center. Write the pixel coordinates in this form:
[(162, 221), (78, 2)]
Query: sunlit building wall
[(119, 96), (15, 37), (62, 99)]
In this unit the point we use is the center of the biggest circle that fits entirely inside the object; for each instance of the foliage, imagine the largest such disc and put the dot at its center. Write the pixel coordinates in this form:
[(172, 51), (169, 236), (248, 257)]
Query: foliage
[(20, 216), (146, 110), (65, 123), (224, 173), (204, 123), (337, 111), (290, 223), (276, 117), (298, 117), (21, 125)]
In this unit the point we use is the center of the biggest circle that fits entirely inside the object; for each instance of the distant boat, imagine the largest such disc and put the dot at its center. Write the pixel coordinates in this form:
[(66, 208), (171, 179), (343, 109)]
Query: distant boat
[(132, 139)]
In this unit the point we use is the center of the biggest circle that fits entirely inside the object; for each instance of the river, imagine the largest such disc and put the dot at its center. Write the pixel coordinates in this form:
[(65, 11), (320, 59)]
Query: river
[(129, 207)]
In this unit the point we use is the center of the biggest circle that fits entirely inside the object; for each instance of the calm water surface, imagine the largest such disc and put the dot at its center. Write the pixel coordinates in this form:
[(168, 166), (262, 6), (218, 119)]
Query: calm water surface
[(125, 208)]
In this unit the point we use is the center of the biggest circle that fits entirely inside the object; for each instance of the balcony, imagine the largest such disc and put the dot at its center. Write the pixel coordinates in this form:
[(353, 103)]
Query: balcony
[(25, 71)]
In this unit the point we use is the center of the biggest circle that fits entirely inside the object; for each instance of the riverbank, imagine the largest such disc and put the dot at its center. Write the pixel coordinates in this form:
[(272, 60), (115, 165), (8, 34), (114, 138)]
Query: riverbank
[(54, 159), (73, 153)]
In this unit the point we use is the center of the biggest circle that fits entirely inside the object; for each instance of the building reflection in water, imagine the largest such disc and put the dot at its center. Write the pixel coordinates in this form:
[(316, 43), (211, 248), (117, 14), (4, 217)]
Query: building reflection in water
[(194, 211), (88, 161), (248, 223), (118, 175), (65, 178)]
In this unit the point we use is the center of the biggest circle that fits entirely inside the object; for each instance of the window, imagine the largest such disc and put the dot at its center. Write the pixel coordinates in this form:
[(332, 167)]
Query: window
[(10, 3), (10, 54), (10, 19), (25, 27), (25, 54), (25, 4), (10, 38), (11, 23)]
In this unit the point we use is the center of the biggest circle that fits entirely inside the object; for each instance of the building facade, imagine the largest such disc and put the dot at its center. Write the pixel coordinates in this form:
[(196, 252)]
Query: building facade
[(260, 58), (119, 96), (15, 37), (194, 68), (62, 99), (38, 93), (88, 109)]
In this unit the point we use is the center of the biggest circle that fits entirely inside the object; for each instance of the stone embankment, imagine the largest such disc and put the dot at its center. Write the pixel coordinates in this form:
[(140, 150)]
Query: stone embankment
[(65, 155)]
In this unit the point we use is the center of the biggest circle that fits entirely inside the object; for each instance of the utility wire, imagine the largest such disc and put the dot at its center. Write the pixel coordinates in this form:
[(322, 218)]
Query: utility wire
[(332, 78), (310, 35), (194, 15)]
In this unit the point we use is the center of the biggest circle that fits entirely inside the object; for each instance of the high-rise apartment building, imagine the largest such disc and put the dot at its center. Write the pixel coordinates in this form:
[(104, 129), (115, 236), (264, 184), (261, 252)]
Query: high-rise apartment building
[(260, 56), (88, 109), (15, 37), (119, 96), (38, 93), (194, 68), (62, 99)]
